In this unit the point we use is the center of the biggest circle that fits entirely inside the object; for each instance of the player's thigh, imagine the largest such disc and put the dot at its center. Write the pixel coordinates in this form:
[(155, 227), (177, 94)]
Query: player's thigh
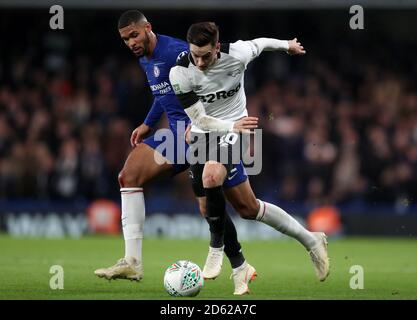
[(213, 174), (144, 164), (243, 200)]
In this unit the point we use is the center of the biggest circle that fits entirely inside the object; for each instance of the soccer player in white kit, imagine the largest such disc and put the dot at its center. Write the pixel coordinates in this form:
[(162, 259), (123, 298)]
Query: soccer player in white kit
[(209, 84)]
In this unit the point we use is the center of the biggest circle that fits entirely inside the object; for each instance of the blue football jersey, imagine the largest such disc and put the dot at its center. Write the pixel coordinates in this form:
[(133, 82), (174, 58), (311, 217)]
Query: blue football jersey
[(165, 55)]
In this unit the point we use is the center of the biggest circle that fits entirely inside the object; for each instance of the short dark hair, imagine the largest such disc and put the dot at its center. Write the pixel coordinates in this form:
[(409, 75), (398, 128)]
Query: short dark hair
[(130, 16), (203, 33)]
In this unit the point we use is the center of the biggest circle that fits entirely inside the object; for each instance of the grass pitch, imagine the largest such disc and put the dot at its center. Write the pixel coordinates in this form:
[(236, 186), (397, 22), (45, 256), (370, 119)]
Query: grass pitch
[(284, 269)]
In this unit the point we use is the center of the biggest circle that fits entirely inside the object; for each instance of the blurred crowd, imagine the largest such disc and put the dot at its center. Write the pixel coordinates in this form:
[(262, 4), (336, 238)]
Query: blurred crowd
[(65, 135), (331, 133), (329, 139)]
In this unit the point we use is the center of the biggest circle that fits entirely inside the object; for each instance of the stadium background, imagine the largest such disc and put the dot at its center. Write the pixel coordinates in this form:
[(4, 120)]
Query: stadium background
[(339, 127), (339, 124)]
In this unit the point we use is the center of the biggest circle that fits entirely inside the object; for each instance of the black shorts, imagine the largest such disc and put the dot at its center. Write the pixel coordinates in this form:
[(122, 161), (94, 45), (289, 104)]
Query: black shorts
[(225, 148)]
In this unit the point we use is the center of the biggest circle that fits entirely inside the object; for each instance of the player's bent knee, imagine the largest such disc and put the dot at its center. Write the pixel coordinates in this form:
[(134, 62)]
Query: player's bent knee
[(128, 178), (211, 180), (121, 179)]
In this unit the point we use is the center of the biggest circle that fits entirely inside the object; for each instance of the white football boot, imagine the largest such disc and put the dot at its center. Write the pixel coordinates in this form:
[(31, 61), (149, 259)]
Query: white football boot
[(318, 254), (125, 268), (214, 263), (242, 276)]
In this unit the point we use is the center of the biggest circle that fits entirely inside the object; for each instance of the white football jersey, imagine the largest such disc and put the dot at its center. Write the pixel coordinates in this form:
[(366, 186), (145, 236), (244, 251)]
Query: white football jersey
[(221, 87)]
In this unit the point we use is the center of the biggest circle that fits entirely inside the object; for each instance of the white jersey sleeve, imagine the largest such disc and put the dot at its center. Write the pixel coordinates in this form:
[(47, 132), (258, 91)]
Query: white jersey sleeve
[(179, 80), (246, 51)]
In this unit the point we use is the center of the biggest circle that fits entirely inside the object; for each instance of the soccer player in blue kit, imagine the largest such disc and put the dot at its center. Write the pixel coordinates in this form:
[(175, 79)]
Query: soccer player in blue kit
[(157, 55)]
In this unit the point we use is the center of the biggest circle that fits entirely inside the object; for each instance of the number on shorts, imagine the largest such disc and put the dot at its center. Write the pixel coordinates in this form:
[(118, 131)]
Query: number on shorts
[(229, 138)]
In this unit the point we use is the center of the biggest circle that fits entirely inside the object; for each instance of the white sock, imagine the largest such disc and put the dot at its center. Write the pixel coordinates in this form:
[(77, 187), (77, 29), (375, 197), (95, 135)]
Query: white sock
[(221, 249), (281, 221), (133, 219)]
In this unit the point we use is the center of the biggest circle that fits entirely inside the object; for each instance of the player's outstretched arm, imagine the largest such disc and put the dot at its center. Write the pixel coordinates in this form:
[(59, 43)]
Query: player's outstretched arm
[(292, 47), (246, 51)]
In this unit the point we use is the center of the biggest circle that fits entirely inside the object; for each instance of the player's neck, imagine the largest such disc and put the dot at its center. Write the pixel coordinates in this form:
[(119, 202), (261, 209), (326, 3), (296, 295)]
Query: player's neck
[(152, 44)]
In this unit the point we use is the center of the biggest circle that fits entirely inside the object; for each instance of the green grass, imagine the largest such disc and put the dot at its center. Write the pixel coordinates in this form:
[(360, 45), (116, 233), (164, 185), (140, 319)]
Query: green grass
[(284, 269)]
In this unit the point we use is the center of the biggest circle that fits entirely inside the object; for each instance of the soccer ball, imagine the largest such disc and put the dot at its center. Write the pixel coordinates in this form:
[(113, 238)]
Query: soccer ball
[(183, 279)]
